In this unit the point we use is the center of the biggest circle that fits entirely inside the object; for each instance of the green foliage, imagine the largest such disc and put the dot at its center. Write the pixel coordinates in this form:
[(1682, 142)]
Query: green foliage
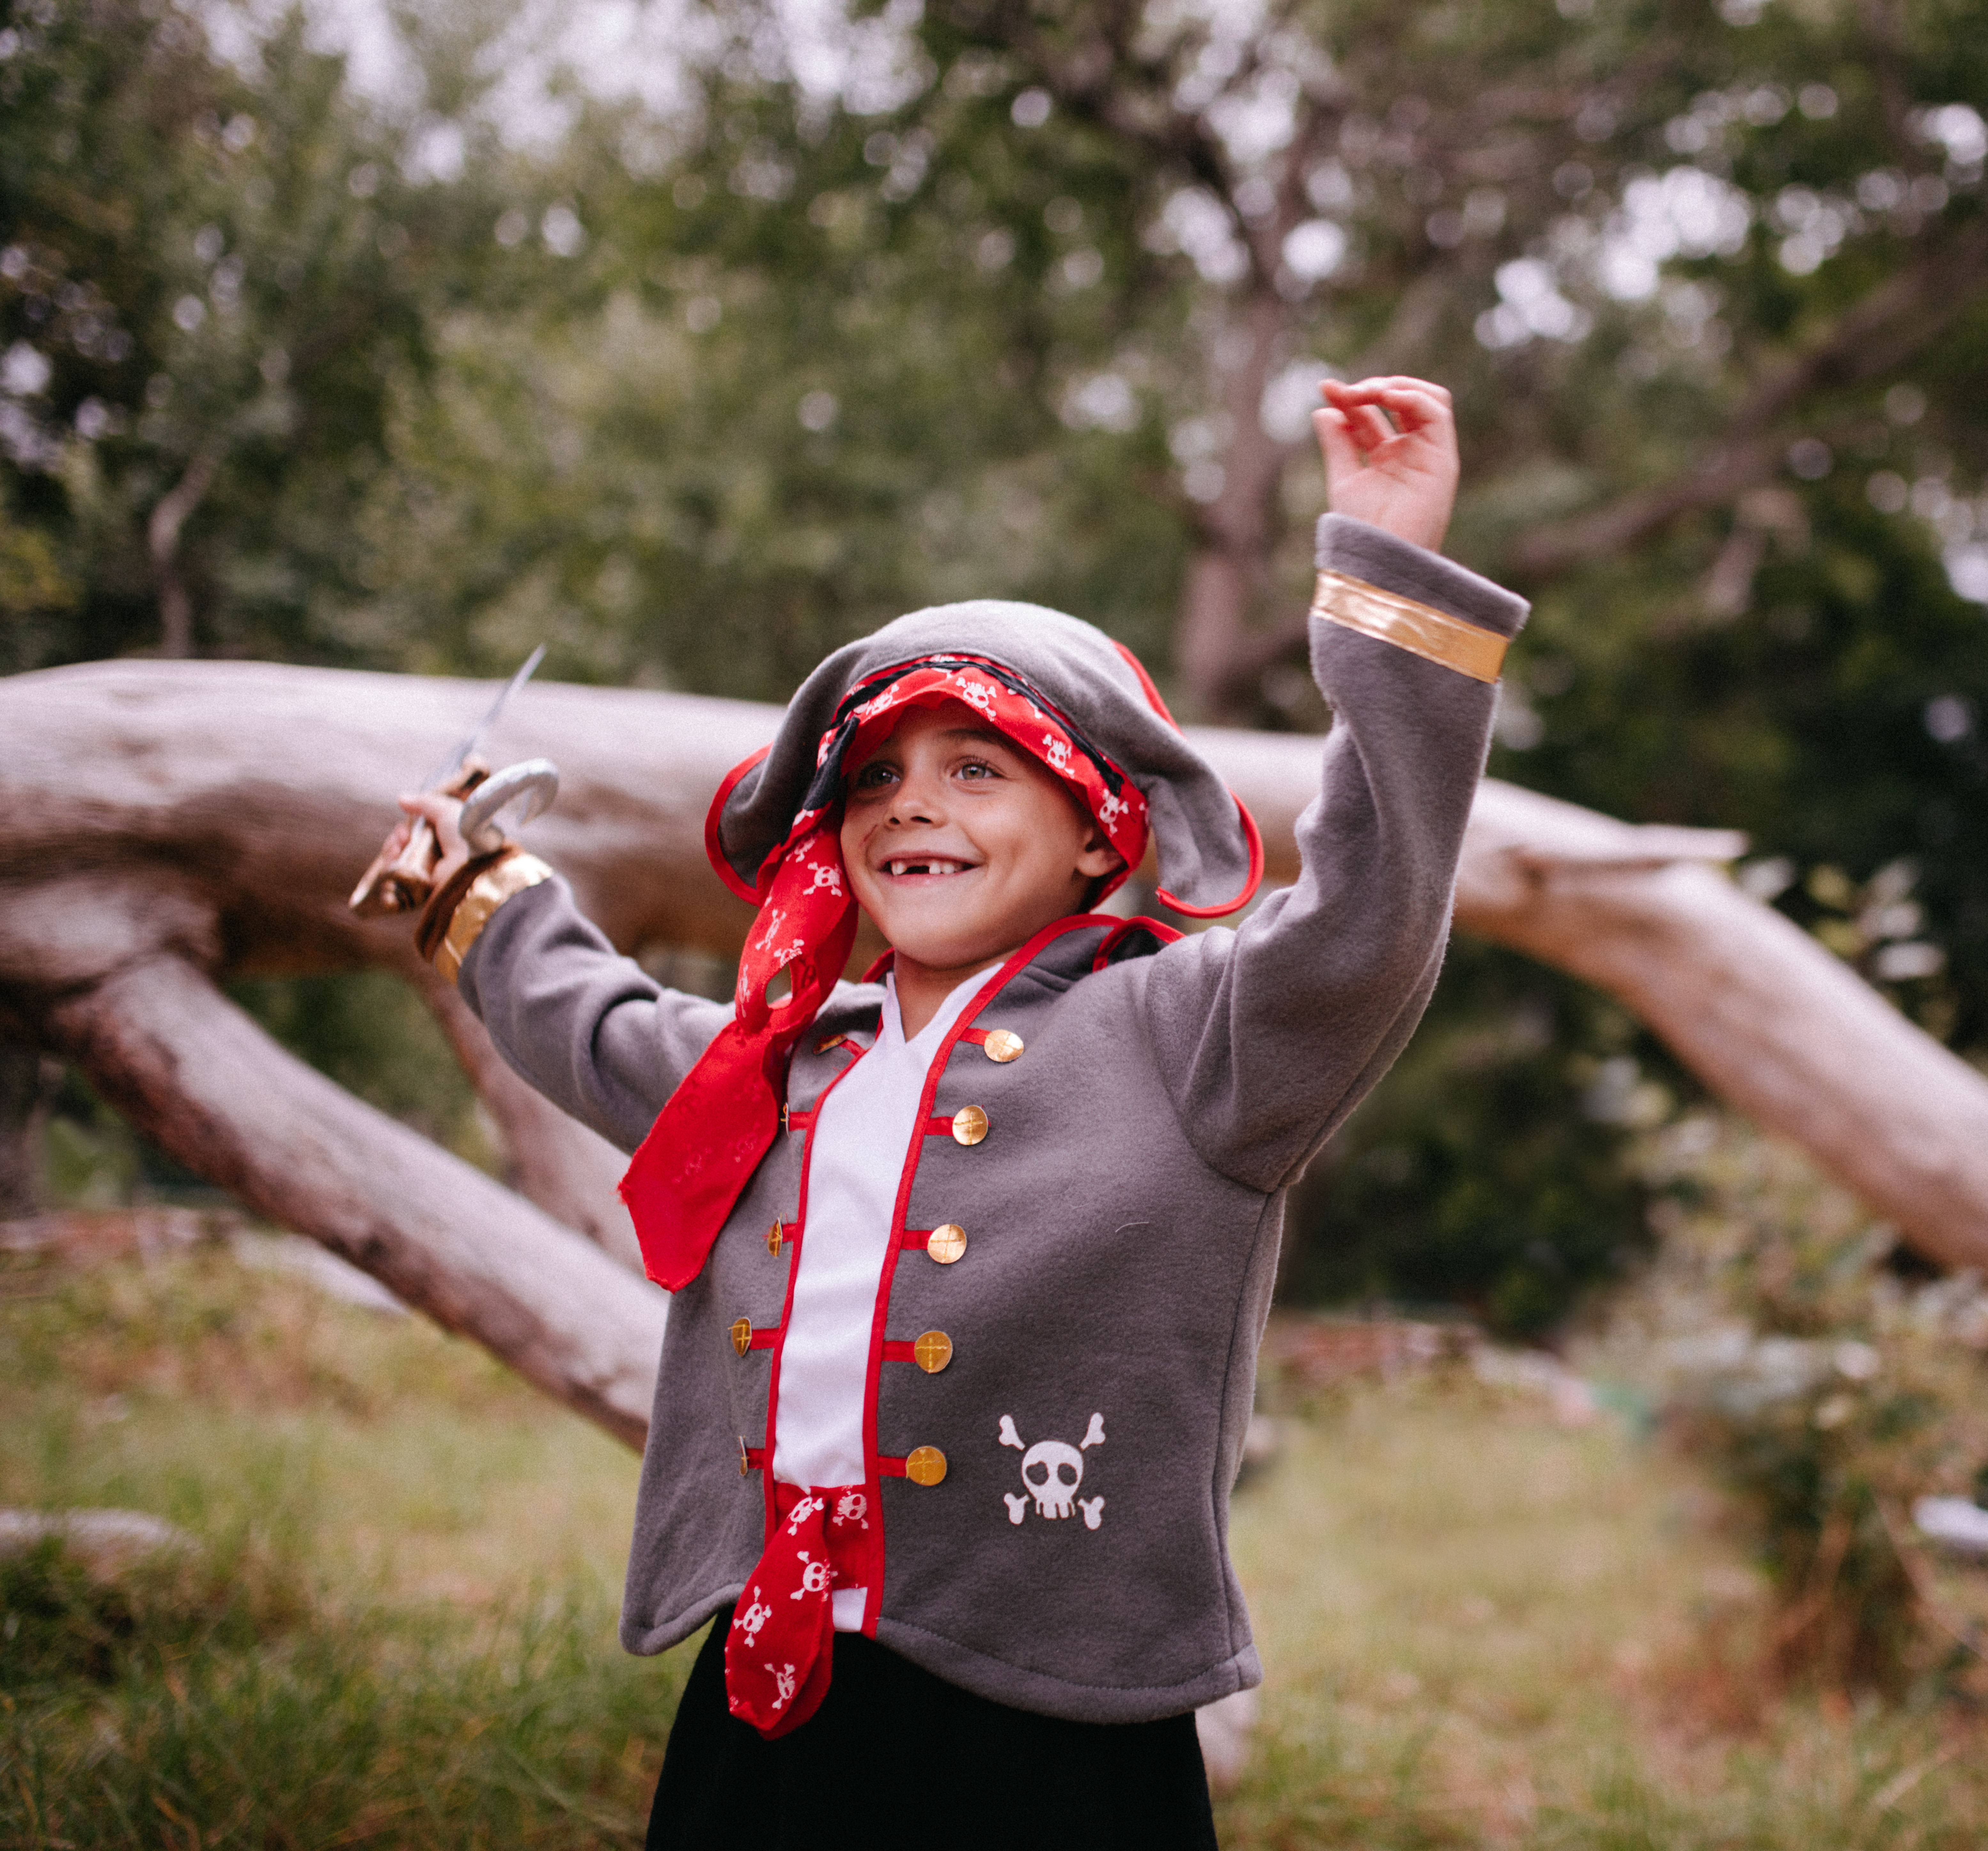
[(220, 269), (1482, 1628), (67, 1619), (396, 1625), (1488, 1171), (1828, 1389)]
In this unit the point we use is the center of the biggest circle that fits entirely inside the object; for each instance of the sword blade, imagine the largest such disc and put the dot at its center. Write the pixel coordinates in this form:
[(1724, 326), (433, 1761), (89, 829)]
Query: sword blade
[(452, 761)]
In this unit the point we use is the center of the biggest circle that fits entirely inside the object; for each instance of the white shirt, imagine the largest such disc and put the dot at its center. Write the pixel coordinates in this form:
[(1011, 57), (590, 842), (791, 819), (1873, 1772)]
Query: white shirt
[(856, 1160)]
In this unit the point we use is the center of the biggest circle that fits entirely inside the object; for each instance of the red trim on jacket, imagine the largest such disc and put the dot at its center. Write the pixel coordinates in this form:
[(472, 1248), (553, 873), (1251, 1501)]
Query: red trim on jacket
[(1166, 934), (787, 1304)]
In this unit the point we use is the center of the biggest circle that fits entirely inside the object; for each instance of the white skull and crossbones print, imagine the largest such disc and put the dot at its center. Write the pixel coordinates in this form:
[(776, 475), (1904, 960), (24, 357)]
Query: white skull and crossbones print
[(1052, 1470)]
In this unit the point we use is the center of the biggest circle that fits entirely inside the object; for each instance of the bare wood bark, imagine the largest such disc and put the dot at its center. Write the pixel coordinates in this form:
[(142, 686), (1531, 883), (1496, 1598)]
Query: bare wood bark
[(170, 514), (1758, 1009), (197, 1077), (254, 790)]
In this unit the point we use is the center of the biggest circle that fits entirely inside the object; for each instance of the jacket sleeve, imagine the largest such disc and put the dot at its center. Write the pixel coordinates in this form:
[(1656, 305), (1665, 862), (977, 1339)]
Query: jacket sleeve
[(587, 1027), (1272, 1034)]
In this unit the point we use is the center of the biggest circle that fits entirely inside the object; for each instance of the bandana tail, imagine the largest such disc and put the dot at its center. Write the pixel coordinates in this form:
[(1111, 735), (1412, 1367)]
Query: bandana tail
[(719, 1123)]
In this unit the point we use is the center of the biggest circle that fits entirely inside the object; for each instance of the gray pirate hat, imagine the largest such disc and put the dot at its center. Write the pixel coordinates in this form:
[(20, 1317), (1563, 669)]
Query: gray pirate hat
[(1211, 857)]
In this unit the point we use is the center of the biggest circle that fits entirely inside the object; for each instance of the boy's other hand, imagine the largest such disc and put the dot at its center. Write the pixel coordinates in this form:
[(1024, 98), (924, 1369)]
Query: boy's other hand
[(1390, 450), (442, 815)]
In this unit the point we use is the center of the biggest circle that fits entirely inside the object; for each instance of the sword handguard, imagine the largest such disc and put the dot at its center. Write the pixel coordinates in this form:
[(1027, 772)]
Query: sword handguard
[(528, 786)]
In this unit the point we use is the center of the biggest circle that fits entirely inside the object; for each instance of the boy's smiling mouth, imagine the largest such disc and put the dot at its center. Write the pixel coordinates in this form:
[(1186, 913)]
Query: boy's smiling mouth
[(905, 867)]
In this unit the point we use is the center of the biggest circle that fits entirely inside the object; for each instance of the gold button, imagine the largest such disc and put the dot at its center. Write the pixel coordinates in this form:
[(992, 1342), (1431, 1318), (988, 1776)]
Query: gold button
[(741, 1335), (1003, 1045), (925, 1465), (931, 1350), (946, 1242), (777, 1236), (969, 1125), (745, 1458)]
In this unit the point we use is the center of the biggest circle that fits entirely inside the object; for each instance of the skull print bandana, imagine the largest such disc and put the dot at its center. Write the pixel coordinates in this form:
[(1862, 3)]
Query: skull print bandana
[(721, 1120), (780, 1649)]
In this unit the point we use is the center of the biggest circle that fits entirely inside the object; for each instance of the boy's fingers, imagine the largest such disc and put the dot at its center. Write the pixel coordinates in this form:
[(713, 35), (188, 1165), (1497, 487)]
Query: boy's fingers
[(1371, 428), (1344, 392), (1409, 398), (1415, 406), (441, 814), (1359, 418), (1335, 444), (1419, 407)]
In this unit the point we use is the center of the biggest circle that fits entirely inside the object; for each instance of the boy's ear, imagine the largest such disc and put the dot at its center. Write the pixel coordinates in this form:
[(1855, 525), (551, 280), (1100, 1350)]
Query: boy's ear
[(1098, 858)]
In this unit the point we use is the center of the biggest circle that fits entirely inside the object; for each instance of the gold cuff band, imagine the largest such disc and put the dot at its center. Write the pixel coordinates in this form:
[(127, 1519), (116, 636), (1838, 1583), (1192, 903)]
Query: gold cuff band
[(1433, 635), (487, 893)]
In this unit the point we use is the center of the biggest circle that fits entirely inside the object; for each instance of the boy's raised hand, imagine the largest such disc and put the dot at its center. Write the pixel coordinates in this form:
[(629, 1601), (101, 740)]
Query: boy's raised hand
[(1390, 450)]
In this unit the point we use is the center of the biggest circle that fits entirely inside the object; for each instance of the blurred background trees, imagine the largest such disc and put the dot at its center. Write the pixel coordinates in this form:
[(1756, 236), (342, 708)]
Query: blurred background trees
[(695, 350)]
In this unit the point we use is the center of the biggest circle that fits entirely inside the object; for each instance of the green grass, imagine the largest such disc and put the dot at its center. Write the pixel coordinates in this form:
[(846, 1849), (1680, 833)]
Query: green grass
[(1480, 1628), (400, 1629)]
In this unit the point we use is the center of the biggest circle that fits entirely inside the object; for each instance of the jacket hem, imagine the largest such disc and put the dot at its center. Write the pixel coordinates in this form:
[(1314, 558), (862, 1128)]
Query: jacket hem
[(993, 1678), (646, 1641), (1001, 1682)]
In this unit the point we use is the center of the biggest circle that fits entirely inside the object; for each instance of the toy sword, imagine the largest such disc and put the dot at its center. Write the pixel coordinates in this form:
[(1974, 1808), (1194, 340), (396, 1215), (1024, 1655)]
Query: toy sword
[(401, 877)]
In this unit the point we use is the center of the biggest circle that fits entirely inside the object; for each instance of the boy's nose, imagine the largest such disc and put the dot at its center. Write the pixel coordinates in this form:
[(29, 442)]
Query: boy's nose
[(916, 800)]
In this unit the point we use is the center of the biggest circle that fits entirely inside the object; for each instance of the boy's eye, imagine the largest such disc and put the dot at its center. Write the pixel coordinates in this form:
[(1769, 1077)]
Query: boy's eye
[(978, 768), (873, 775)]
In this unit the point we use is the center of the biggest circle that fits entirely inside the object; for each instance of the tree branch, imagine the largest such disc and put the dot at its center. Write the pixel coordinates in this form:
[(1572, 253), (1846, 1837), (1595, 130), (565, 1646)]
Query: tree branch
[(1866, 342), (170, 514)]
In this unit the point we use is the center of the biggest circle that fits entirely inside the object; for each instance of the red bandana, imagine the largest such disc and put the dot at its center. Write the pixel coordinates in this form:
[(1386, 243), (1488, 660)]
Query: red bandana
[(708, 1140), (779, 1653)]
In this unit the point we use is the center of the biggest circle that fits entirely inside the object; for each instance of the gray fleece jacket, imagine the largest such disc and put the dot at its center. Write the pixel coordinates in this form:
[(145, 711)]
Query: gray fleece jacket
[(1120, 1218)]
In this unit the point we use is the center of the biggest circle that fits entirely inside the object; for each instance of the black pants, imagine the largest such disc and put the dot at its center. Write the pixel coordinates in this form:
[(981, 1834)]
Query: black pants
[(895, 1757)]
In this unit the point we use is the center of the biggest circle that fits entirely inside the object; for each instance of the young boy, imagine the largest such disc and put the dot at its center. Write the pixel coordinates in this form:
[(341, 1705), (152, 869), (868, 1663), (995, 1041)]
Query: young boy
[(971, 1267)]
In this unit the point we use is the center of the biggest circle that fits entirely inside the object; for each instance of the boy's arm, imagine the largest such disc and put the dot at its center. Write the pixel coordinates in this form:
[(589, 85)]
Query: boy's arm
[(588, 1027), (1272, 1034)]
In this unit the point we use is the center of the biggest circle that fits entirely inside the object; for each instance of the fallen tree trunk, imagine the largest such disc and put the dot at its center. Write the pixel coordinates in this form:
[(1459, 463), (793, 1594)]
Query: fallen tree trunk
[(1768, 1019), (200, 1079), (164, 825)]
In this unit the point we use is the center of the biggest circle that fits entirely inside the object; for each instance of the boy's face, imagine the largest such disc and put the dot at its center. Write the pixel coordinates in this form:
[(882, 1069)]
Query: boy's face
[(959, 846)]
